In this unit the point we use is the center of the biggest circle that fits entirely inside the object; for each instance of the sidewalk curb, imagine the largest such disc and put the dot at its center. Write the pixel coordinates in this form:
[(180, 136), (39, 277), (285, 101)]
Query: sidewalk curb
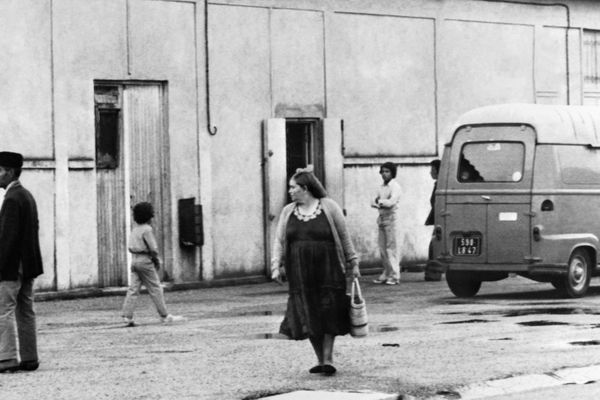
[(73, 294), (523, 383)]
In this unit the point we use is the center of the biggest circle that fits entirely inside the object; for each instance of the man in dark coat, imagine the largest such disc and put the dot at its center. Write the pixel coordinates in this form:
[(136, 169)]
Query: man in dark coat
[(430, 273), (20, 264)]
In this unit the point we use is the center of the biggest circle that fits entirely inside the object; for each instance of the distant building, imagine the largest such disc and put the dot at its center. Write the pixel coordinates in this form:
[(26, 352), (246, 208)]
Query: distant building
[(117, 101)]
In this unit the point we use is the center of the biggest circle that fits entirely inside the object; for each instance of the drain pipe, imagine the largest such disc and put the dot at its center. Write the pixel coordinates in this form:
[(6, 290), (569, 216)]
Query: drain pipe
[(211, 129), (568, 12)]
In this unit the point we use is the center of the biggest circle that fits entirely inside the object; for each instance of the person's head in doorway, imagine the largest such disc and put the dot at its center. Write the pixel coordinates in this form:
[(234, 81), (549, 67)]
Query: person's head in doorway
[(143, 212), (304, 184), (10, 167), (388, 171), (435, 169)]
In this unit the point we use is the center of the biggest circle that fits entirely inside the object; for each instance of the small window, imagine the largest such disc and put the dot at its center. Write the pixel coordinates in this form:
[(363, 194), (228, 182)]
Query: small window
[(579, 165), (491, 162), (107, 139), (108, 126)]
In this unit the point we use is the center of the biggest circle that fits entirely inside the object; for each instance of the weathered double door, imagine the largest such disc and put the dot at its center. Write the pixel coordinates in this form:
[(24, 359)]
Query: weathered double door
[(131, 133)]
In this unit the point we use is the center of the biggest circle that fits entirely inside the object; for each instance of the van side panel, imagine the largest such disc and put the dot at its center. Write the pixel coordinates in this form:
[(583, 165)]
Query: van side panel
[(565, 201)]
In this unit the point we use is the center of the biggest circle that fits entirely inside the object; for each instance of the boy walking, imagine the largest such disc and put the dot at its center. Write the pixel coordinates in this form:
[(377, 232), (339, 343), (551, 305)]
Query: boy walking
[(144, 265)]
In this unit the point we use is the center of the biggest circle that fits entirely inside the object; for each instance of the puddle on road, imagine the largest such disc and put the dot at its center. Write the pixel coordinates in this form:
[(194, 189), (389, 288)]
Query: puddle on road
[(551, 311), (170, 351), (267, 336), (375, 328), (586, 343), (467, 321), (532, 311), (542, 323), (383, 328), (258, 313)]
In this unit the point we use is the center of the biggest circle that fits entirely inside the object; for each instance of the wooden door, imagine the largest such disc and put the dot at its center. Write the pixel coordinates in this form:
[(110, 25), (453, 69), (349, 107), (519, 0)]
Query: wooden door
[(136, 170)]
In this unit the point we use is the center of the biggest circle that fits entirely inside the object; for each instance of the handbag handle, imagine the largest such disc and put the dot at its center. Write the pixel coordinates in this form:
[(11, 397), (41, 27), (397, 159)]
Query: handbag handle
[(356, 286)]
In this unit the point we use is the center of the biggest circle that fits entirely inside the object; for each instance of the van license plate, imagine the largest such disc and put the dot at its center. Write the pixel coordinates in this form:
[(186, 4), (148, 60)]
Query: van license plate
[(467, 246)]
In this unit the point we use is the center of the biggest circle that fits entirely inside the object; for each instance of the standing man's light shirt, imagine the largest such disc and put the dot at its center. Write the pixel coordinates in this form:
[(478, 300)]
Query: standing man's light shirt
[(387, 197)]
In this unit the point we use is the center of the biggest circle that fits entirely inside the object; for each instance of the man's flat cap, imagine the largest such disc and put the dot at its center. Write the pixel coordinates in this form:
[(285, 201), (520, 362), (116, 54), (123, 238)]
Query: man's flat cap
[(8, 159)]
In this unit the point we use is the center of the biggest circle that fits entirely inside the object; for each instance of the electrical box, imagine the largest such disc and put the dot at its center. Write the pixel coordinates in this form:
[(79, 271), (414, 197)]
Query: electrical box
[(191, 230)]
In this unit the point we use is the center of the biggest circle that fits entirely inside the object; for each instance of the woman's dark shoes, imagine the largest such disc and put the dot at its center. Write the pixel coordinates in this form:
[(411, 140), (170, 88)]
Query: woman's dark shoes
[(317, 369), (328, 369)]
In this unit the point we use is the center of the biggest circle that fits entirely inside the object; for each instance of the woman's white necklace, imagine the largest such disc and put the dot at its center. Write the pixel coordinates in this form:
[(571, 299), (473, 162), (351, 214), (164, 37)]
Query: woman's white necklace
[(308, 217)]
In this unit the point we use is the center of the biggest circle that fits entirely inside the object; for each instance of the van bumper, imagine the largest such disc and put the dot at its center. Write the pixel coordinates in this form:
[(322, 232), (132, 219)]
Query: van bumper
[(530, 269)]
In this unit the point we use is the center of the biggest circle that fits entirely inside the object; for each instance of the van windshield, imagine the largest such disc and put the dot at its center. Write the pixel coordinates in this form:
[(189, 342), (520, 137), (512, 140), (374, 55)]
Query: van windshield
[(491, 162)]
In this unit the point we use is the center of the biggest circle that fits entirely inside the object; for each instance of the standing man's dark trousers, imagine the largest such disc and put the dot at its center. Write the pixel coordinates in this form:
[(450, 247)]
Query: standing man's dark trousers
[(433, 271), (17, 319)]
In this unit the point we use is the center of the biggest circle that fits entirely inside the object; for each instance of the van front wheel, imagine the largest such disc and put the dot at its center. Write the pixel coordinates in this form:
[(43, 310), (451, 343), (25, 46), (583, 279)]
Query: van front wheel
[(577, 280), (461, 284)]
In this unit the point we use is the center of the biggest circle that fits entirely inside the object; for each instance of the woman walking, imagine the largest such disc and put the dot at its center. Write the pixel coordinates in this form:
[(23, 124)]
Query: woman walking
[(313, 244)]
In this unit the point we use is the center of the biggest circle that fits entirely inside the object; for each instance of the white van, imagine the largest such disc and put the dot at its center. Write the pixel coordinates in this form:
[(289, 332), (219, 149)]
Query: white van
[(519, 192)]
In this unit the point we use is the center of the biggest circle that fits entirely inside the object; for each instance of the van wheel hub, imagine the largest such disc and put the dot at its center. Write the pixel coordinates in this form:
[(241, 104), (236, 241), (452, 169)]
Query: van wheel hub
[(577, 273)]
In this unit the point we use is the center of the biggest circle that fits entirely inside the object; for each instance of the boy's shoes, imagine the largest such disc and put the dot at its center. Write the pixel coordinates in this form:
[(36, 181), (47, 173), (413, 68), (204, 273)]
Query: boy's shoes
[(391, 282), (128, 321), (172, 318)]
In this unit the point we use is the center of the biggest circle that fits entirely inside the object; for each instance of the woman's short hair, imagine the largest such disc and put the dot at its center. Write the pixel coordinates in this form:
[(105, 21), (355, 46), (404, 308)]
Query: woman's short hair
[(310, 182), (391, 166), (143, 212)]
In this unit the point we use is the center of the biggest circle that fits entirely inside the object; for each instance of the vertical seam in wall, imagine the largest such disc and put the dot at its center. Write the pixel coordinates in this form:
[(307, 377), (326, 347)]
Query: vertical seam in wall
[(127, 34), (197, 94), (270, 43), (581, 82), (197, 250), (435, 88), (325, 111), (533, 80), (53, 130)]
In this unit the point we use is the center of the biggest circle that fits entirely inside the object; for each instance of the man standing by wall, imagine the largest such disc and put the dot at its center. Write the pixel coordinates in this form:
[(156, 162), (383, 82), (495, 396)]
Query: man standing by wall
[(20, 264), (386, 201), (430, 273)]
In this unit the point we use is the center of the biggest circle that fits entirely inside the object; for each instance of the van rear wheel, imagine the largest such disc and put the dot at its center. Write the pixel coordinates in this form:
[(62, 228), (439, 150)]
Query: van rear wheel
[(577, 281), (462, 284)]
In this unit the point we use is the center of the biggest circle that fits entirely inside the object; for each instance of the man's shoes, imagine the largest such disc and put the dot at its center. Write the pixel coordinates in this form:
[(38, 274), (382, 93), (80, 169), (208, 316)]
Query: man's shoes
[(391, 282), (379, 280), (169, 319), (30, 365), (12, 365), (128, 321), (9, 365)]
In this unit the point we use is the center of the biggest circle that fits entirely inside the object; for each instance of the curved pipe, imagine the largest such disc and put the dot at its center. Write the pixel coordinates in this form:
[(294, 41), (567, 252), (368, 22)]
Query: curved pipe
[(211, 129), (568, 11)]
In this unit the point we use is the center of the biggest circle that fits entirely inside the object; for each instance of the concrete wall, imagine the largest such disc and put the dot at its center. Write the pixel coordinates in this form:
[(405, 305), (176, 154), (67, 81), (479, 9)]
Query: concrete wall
[(398, 73)]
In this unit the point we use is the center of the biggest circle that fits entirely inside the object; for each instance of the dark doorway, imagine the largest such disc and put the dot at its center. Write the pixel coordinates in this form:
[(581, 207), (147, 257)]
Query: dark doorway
[(304, 146)]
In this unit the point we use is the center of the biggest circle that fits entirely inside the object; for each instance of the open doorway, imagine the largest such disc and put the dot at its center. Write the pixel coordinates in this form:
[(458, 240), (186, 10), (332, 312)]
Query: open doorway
[(304, 146)]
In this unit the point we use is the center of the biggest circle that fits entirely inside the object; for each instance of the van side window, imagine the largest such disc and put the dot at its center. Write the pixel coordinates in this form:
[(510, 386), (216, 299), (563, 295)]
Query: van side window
[(579, 165), (491, 162)]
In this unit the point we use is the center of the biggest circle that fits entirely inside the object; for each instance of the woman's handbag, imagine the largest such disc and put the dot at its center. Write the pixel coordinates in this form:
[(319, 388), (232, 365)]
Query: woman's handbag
[(359, 322)]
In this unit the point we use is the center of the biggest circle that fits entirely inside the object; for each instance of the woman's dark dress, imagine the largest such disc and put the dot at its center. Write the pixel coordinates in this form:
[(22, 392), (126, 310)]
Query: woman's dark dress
[(317, 302)]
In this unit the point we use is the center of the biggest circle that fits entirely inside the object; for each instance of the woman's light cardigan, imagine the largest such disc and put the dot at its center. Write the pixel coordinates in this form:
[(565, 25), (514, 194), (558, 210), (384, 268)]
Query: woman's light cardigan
[(337, 222)]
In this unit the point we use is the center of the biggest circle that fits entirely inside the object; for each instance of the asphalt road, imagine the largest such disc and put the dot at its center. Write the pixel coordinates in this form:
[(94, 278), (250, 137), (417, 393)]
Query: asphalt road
[(424, 342)]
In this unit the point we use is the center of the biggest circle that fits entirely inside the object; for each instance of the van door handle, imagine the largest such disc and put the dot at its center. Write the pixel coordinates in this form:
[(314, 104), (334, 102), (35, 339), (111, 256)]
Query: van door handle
[(486, 197)]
